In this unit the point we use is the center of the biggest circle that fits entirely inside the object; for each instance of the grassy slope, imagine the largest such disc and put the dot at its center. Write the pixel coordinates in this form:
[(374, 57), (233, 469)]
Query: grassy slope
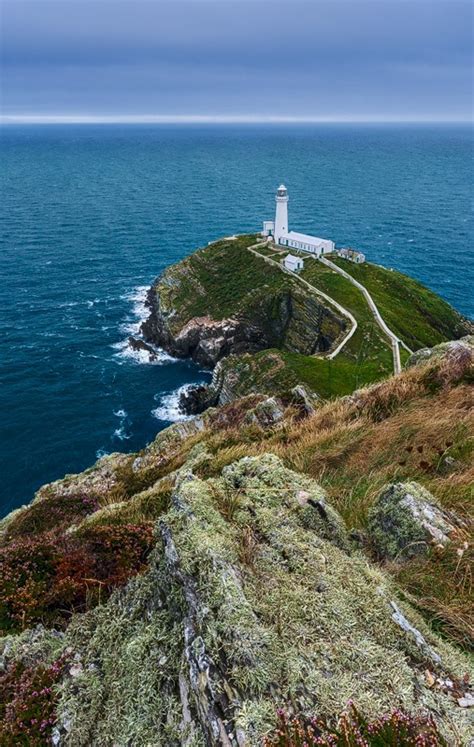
[(416, 426), (420, 317), (129, 647), (220, 280)]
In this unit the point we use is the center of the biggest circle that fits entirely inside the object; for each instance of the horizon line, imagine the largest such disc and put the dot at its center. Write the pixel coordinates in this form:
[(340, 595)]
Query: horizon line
[(6, 119)]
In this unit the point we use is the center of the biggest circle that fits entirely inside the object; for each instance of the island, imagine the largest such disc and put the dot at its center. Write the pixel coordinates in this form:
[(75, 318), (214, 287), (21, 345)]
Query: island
[(234, 306)]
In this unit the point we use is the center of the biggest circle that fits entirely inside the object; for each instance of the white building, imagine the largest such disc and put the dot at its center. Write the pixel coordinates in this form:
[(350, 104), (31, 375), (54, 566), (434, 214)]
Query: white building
[(293, 263), (352, 255), (282, 235)]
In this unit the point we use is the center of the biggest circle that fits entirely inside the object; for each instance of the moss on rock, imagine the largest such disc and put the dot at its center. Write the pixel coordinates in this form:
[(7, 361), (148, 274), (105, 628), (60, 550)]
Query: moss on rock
[(405, 520)]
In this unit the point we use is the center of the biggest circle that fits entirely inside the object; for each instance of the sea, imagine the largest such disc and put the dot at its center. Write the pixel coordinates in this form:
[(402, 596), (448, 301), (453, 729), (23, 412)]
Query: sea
[(91, 214)]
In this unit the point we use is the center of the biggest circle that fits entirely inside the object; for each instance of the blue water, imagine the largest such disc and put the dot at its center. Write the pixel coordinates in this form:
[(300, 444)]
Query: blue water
[(91, 214)]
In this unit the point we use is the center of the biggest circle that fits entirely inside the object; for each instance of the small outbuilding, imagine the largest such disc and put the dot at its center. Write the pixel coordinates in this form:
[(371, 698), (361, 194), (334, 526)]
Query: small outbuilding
[(352, 255), (293, 263)]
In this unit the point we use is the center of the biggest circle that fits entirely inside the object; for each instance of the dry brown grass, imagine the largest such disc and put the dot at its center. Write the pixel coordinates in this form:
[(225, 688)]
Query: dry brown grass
[(441, 586)]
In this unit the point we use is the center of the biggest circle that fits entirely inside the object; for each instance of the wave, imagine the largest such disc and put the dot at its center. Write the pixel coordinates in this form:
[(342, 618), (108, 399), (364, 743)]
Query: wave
[(169, 409), (157, 358), (138, 298), (131, 327), (121, 434)]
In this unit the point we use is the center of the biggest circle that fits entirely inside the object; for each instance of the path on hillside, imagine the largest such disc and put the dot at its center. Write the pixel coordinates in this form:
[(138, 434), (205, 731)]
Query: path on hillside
[(318, 292), (394, 339)]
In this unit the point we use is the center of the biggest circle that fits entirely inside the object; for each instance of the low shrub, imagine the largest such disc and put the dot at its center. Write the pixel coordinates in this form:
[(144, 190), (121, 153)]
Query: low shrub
[(54, 512), (351, 729), (28, 703), (48, 577)]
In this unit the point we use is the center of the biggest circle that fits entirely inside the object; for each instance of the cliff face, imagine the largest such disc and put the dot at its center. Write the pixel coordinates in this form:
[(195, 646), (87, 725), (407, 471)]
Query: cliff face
[(248, 560), (223, 300)]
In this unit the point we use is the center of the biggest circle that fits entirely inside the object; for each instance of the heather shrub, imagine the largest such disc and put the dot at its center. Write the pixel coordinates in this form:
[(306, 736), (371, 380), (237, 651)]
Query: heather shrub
[(351, 729), (49, 577), (55, 512), (28, 703)]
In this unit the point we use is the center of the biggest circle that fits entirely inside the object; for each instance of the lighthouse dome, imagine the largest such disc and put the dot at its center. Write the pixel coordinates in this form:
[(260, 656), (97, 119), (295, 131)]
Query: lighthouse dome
[(282, 191)]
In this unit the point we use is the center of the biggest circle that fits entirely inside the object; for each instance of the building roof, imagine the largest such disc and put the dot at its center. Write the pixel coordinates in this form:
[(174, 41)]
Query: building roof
[(352, 252), (303, 237), (292, 258)]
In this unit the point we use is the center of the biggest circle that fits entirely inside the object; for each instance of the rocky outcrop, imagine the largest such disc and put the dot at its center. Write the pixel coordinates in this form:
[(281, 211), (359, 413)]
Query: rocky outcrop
[(302, 324), (137, 344), (306, 400), (239, 376), (200, 310), (203, 339), (193, 653), (406, 520), (455, 351), (267, 413)]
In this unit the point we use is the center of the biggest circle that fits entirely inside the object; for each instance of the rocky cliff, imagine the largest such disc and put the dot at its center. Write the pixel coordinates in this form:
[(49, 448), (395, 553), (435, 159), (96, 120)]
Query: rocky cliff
[(224, 300)]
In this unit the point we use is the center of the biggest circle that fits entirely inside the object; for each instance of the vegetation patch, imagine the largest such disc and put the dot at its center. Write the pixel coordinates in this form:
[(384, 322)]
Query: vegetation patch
[(48, 577), (351, 729), (420, 317), (28, 702)]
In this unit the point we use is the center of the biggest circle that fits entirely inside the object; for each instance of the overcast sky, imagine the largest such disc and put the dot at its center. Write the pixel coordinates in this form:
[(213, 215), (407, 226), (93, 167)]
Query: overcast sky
[(321, 59)]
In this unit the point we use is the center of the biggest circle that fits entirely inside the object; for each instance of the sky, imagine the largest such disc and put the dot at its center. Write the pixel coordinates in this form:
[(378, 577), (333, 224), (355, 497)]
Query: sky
[(244, 60)]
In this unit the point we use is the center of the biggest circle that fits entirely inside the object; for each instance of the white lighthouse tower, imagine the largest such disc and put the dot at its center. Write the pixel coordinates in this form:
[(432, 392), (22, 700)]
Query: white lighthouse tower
[(281, 213)]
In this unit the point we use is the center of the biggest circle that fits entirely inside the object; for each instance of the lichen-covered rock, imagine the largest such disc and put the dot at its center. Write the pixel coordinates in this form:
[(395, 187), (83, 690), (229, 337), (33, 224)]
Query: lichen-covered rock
[(266, 413), (457, 350), (98, 480), (302, 397), (405, 520), (266, 477), (247, 605)]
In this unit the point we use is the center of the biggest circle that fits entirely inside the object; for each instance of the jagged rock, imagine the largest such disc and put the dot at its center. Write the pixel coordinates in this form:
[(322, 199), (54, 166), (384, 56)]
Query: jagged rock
[(405, 520), (266, 413), (302, 397), (197, 398), (137, 344)]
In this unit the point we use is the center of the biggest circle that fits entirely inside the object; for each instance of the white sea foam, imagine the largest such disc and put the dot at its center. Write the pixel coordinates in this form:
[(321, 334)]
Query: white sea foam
[(131, 327), (101, 453), (122, 434), (120, 413), (169, 409), (138, 298), (126, 352)]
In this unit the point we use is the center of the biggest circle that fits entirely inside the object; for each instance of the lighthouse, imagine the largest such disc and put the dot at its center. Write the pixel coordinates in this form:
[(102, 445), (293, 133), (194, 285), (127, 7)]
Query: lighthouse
[(281, 213), (277, 230)]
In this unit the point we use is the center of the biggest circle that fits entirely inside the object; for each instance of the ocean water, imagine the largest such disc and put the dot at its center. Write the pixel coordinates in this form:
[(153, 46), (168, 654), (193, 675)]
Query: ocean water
[(90, 215)]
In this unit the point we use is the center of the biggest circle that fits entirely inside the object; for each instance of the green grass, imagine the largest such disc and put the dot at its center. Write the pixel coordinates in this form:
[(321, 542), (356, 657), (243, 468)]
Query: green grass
[(331, 378), (276, 371), (220, 280), (225, 279), (368, 348), (417, 315)]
